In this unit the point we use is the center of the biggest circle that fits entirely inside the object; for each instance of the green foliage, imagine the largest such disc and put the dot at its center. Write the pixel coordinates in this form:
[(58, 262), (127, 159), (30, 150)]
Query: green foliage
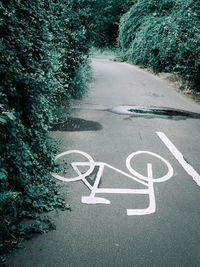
[(165, 36), (104, 21), (43, 63)]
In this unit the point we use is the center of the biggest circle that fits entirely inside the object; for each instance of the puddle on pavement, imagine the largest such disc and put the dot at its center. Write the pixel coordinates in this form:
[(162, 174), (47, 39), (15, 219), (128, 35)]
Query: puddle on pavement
[(76, 125), (152, 112)]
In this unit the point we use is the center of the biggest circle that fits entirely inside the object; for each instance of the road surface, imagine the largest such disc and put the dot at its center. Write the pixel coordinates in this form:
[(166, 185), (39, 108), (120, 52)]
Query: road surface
[(135, 195)]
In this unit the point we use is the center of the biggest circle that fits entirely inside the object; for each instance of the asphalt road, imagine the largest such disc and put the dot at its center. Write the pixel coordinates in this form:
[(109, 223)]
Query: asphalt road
[(122, 213)]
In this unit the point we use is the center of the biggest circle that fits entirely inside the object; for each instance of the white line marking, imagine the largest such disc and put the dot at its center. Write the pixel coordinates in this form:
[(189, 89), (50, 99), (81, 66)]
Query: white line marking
[(177, 154), (123, 191), (145, 181)]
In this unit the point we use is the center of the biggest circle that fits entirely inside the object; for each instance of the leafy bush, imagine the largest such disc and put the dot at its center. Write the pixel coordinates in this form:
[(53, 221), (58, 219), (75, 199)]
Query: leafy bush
[(165, 36), (43, 55)]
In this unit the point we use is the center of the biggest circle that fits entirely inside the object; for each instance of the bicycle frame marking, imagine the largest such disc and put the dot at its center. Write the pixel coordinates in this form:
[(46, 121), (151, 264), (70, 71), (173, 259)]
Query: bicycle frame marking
[(147, 181)]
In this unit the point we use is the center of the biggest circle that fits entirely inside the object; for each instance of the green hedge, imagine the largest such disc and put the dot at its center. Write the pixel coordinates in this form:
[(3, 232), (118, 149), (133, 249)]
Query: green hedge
[(165, 36), (43, 63)]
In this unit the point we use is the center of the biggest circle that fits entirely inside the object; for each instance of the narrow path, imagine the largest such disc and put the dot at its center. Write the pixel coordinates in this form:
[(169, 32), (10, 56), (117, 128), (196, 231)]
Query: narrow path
[(134, 148)]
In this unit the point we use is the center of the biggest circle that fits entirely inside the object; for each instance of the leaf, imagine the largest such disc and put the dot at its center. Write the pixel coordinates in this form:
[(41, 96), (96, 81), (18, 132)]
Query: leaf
[(3, 120), (13, 228), (35, 204), (3, 174), (9, 115)]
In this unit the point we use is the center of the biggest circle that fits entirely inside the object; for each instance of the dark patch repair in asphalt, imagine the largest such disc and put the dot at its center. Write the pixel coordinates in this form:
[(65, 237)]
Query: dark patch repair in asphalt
[(153, 112), (76, 125), (166, 112)]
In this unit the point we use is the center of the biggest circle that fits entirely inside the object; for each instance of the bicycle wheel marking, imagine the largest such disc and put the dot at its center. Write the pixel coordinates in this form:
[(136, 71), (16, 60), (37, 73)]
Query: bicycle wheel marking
[(146, 181), (74, 166)]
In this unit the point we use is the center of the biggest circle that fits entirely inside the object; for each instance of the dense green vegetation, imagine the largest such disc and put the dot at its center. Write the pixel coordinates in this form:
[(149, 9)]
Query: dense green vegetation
[(43, 63), (165, 36), (104, 20)]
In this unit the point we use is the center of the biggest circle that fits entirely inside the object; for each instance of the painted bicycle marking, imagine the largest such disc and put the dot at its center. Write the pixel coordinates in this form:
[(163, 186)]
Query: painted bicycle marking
[(147, 181)]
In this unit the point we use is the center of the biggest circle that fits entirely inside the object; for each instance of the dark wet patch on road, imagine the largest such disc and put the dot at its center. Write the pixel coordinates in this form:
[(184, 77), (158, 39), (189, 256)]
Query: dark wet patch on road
[(76, 125), (153, 112)]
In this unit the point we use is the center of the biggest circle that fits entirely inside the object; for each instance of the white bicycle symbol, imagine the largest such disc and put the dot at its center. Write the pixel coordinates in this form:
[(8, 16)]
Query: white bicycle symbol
[(148, 181)]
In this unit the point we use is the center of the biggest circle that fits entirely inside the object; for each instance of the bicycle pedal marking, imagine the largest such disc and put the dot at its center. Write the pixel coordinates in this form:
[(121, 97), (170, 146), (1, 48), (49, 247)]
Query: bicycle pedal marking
[(147, 181)]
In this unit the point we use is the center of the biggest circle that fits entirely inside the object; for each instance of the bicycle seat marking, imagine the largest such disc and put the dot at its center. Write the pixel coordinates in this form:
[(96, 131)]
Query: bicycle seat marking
[(147, 181)]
